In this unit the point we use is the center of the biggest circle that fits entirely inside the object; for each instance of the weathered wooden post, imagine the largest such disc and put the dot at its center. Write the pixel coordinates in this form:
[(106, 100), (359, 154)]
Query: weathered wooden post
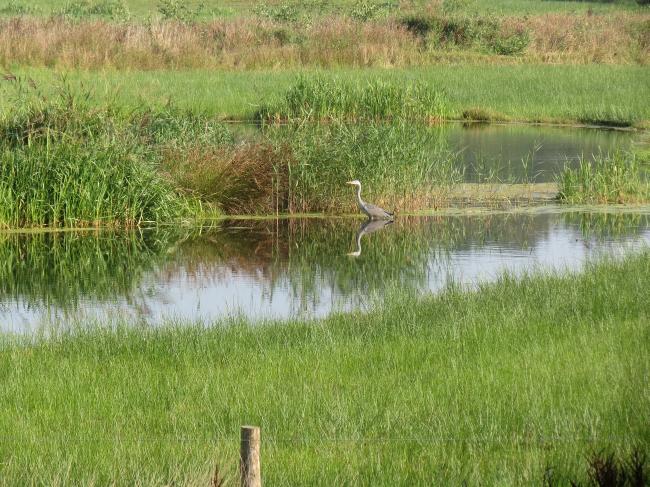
[(249, 463)]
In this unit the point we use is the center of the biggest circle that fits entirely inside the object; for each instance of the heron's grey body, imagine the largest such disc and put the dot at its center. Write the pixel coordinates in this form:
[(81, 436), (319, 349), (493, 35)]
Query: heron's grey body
[(368, 226), (373, 212)]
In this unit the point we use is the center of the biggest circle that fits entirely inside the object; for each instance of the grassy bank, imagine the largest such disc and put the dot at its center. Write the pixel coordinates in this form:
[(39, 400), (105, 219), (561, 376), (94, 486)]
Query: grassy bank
[(515, 383), (520, 93)]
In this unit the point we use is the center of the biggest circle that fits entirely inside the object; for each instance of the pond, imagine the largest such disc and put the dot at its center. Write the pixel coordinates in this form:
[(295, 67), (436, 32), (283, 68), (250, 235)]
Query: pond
[(279, 268)]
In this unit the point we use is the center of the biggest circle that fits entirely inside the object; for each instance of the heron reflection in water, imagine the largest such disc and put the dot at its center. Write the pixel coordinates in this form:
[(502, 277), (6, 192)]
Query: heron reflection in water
[(368, 226)]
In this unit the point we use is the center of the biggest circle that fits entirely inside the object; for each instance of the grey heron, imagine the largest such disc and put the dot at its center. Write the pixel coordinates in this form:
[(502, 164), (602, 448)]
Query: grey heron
[(368, 226), (374, 212)]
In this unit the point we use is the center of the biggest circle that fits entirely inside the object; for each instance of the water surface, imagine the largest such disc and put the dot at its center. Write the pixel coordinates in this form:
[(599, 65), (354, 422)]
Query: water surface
[(288, 267)]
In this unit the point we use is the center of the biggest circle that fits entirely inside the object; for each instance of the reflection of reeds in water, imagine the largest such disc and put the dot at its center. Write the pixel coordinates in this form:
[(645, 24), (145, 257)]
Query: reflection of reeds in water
[(311, 254), (306, 257), (63, 268), (605, 225)]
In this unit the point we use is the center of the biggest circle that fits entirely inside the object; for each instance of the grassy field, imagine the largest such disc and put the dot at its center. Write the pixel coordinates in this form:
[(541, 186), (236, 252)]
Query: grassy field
[(232, 8), (515, 383), (527, 93)]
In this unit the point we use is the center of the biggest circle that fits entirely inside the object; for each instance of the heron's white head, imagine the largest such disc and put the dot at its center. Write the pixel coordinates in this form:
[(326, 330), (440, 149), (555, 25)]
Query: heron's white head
[(354, 182)]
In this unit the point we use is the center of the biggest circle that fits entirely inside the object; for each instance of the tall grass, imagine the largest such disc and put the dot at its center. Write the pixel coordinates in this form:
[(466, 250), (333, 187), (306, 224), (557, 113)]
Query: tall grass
[(65, 163), (402, 166), (616, 178), (498, 386), (320, 98), (247, 43), (72, 184)]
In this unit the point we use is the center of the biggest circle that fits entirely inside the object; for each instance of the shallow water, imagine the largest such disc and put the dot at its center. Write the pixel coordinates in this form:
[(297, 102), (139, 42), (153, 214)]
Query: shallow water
[(288, 267)]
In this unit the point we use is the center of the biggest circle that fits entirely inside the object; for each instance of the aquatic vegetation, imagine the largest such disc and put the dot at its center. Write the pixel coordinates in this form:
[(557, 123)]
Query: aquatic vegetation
[(67, 163), (246, 178), (401, 166), (74, 184), (615, 178), (436, 379)]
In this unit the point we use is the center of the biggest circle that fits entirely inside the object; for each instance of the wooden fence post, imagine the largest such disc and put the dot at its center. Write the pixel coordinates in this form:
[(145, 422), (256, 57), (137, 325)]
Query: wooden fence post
[(249, 454)]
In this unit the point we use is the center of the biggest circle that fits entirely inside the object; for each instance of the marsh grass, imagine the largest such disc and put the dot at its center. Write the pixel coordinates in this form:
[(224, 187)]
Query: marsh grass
[(615, 178), (72, 184), (491, 386), (402, 166), (248, 178)]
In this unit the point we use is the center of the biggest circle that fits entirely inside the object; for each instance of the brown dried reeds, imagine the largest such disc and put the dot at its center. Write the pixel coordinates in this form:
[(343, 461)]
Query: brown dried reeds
[(248, 178), (250, 43), (611, 39)]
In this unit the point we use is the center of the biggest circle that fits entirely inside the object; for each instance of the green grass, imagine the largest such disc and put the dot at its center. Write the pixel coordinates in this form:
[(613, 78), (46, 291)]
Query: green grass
[(527, 93), (617, 178), (66, 164), (490, 387), (323, 99), (237, 8)]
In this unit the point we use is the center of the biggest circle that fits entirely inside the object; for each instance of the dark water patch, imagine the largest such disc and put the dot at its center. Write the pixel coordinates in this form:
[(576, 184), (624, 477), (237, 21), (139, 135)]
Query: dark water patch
[(290, 267)]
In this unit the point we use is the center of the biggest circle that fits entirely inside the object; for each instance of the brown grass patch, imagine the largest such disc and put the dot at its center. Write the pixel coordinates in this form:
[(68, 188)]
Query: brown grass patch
[(246, 179), (585, 39), (250, 43)]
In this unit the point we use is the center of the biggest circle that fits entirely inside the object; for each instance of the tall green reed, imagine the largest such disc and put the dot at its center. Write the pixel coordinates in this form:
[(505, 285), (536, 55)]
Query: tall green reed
[(65, 163), (399, 164), (610, 178), (320, 98)]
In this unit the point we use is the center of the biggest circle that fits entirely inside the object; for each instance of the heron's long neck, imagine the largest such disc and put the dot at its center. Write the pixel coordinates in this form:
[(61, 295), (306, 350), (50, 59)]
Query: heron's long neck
[(359, 200)]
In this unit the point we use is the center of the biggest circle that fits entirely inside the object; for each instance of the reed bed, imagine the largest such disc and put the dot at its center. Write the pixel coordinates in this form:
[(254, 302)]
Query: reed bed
[(68, 161), (65, 164), (516, 383), (616, 178), (316, 98), (74, 185), (403, 166), (246, 43)]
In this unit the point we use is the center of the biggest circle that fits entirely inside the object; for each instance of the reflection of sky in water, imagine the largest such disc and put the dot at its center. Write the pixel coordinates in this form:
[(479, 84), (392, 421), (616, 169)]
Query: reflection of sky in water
[(220, 288)]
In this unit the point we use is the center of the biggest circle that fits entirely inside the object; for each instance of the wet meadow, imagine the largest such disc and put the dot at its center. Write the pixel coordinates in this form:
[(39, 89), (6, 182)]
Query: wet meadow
[(180, 254)]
